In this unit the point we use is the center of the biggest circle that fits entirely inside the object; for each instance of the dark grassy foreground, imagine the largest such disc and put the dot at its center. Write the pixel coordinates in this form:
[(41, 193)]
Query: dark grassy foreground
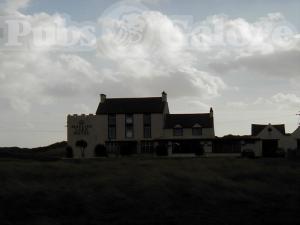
[(160, 191)]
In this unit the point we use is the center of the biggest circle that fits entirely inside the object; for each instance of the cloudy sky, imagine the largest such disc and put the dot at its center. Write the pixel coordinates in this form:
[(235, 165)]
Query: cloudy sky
[(56, 57)]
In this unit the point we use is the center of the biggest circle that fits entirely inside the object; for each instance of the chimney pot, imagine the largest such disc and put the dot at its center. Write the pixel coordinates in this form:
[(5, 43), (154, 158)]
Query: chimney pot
[(211, 112), (164, 96), (102, 98)]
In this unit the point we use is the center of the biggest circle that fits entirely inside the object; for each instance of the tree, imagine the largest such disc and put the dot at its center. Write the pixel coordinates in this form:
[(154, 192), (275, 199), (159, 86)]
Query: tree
[(82, 144)]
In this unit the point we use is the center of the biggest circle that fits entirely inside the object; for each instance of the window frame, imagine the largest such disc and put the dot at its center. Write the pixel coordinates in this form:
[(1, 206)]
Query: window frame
[(195, 133), (129, 125), (112, 125), (178, 128), (147, 125)]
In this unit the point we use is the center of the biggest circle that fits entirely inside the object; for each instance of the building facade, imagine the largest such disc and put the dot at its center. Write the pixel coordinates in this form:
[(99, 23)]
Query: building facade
[(138, 126), (266, 141)]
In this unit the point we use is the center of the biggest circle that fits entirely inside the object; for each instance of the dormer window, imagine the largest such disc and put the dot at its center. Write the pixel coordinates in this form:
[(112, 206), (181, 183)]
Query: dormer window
[(178, 131), (197, 130)]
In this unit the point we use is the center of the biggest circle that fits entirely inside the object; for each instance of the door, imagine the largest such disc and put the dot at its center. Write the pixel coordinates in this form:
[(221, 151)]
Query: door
[(269, 148)]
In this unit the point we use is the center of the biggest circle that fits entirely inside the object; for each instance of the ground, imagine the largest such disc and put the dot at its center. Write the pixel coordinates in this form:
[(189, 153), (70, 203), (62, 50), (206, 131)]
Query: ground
[(150, 191)]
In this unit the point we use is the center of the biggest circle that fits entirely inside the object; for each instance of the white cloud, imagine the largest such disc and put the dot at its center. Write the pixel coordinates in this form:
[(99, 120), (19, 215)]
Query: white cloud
[(270, 47), (286, 99), (13, 6), (161, 54), (37, 76), (279, 101)]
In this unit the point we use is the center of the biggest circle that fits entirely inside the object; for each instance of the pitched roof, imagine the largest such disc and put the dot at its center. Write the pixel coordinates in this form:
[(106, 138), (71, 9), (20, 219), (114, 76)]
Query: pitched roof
[(189, 120), (237, 137), (257, 128), (131, 105)]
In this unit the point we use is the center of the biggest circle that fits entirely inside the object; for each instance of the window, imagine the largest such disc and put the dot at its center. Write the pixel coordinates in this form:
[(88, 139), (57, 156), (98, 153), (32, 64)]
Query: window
[(129, 126), (129, 119), (197, 131), (147, 125), (112, 119), (112, 147), (147, 147), (147, 119), (112, 132), (147, 132), (178, 131), (112, 126)]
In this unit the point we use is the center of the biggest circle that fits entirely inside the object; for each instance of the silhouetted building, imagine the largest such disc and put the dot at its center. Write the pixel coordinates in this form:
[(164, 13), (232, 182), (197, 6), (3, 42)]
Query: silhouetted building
[(140, 126)]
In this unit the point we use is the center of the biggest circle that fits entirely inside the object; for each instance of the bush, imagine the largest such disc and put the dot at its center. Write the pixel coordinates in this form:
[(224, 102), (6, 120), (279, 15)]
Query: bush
[(292, 154), (100, 151), (248, 153), (128, 148), (280, 153), (199, 149), (69, 152), (161, 150)]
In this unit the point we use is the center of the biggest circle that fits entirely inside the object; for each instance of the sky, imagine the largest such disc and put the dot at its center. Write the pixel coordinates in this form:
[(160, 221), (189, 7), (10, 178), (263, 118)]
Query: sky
[(239, 57)]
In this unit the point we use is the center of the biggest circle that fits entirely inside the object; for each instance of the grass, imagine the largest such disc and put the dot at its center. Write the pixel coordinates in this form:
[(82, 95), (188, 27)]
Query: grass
[(150, 191)]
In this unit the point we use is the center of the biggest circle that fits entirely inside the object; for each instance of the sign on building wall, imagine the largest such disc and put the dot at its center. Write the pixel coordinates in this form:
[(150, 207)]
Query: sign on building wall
[(81, 128)]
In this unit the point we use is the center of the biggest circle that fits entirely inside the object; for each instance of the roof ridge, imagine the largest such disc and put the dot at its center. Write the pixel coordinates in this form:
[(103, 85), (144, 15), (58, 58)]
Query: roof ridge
[(184, 114), (281, 124), (133, 98)]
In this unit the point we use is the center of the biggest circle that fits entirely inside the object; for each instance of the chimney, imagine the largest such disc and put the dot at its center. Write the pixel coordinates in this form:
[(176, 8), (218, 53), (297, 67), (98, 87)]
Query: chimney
[(164, 96), (102, 98), (211, 112)]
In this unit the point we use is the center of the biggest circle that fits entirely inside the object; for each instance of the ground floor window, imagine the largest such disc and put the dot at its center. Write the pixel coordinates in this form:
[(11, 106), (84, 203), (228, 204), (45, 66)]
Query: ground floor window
[(122, 147), (112, 147), (187, 147), (147, 147), (227, 146)]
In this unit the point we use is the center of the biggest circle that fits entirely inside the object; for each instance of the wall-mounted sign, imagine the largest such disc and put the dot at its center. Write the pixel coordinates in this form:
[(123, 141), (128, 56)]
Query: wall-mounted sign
[(81, 128)]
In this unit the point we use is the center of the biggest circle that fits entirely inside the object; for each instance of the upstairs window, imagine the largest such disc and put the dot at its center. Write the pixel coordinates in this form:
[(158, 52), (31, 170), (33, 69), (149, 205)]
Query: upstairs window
[(129, 126), (129, 119), (147, 125), (197, 130), (112, 126), (177, 131)]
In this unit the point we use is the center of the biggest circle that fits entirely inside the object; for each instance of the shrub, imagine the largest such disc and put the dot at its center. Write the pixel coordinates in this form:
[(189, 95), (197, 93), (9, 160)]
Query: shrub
[(248, 153), (280, 152), (161, 150), (127, 148), (292, 154), (100, 151), (69, 152), (199, 149)]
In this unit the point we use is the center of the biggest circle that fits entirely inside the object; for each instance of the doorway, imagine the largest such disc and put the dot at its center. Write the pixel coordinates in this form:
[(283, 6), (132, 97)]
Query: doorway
[(269, 147)]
